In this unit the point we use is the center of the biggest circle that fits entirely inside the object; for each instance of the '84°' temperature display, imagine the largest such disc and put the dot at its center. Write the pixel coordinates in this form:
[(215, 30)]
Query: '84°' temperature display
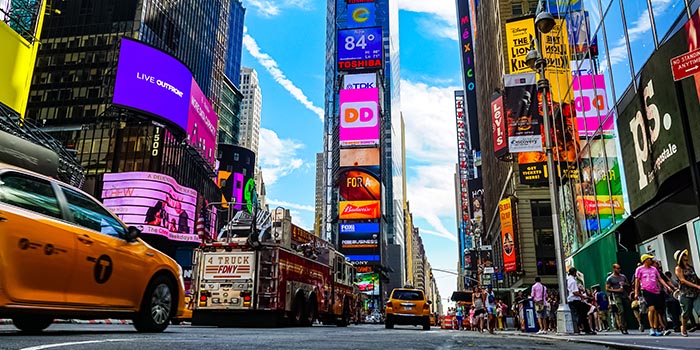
[(360, 48)]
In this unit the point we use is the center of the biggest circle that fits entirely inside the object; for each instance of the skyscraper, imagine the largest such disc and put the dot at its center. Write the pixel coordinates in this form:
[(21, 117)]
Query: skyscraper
[(250, 110), (318, 202), (235, 42), (373, 79)]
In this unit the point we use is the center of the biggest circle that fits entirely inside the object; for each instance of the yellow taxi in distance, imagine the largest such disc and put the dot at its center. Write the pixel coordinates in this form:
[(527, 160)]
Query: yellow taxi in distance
[(407, 306), (64, 255)]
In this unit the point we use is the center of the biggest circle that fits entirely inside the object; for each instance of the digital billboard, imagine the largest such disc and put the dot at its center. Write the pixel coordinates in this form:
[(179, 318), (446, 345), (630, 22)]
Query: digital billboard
[(155, 203), (151, 81), (359, 117), (360, 48), (359, 183), (358, 210), (359, 157), (360, 239), (368, 283), (359, 81), (361, 15)]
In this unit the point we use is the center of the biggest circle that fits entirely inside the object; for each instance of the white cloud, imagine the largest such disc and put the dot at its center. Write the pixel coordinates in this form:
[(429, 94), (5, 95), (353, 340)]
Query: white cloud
[(289, 205), (443, 13), (297, 219), (278, 157), (272, 67), (431, 141), (272, 8)]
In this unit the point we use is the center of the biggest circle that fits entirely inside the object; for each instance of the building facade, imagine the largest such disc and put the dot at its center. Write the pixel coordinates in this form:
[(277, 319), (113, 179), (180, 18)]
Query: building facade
[(318, 194), (235, 42), (374, 78), (230, 113), (613, 182), (251, 109)]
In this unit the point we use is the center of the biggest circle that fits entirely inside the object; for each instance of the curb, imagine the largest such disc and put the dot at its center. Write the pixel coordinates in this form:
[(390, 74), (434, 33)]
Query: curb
[(583, 340), (7, 321)]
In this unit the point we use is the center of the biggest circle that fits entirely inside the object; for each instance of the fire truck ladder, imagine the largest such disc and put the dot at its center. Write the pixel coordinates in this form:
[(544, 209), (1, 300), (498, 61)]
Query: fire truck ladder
[(268, 280)]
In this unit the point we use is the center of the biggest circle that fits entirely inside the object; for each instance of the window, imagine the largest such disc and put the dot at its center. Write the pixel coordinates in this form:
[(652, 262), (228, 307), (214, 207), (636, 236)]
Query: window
[(89, 214), (29, 193), (544, 238), (517, 8), (407, 295)]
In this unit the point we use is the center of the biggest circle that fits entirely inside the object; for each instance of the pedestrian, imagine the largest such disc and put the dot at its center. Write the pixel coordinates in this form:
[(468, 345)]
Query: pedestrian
[(459, 315), (673, 305), (518, 310), (662, 325), (490, 309), (647, 287), (553, 301), (479, 307), (689, 288), (539, 296), (579, 308), (601, 300), (501, 311), (618, 286)]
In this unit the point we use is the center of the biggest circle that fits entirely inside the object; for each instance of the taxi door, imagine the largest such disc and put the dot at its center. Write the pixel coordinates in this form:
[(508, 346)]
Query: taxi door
[(109, 270), (37, 249)]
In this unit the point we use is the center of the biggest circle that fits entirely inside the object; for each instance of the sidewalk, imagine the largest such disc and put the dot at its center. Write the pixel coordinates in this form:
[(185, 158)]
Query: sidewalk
[(616, 340)]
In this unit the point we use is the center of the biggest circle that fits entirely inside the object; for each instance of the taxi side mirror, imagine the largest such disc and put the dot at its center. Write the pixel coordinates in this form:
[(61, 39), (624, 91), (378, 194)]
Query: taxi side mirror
[(132, 233)]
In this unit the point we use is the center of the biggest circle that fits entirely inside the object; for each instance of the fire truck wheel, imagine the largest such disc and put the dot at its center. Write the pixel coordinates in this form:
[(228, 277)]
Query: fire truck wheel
[(311, 312), (156, 307), (345, 318), (298, 310)]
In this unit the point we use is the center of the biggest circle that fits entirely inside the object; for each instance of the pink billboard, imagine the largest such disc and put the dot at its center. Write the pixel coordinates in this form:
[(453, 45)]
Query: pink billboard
[(359, 117), (201, 124), (591, 103)]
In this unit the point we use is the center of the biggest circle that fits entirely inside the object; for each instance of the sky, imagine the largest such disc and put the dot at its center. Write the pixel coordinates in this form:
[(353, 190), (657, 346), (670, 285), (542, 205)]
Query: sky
[(284, 41)]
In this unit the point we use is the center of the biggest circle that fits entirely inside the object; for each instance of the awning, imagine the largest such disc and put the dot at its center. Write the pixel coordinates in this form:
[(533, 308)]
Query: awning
[(461, 296)]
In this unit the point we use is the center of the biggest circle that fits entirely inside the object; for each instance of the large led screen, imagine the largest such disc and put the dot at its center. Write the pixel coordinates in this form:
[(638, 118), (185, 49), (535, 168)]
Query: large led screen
[(368, 283), (359, 117), (359, 157), (154, 82), (359, 239), (359, 184), (360, 48), (155, 203), (358, 210)]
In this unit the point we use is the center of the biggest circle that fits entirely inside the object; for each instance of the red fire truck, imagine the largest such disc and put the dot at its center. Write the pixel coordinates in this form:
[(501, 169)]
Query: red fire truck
[(262, 270)]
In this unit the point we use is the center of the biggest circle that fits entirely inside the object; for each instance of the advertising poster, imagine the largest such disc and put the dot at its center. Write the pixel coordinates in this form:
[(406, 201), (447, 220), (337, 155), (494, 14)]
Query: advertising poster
[(469, 78), (359, 210), (555, 46), (486, 258), (359, 184), (591, 104), (499, 126), (524, 134), (519, 35), (368, 283), (476, 200), (651, 139), (579, 31), (359, 117), (361, 15), (154, 82), (563, 6), (155, 203), (510, 262), (201, 124), (361, 241), (350, 157), (359, 81), (236, 187), (462, 155), (360, 48)]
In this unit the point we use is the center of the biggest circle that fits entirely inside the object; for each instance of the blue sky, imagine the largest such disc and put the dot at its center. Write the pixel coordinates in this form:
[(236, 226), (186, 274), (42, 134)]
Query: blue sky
[(285, 43)]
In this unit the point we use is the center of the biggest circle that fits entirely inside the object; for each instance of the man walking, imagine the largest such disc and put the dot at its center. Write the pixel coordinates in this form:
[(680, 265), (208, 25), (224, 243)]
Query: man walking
[(575, 304), (539, 295), (646, 285), (618, 286)]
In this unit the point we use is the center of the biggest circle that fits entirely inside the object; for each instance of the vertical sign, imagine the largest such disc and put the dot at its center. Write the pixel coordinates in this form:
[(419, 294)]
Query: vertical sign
[(510, 262), (498, 124), (469, 76), (524, 129), (556, 51), (462, 156), (519, 34)]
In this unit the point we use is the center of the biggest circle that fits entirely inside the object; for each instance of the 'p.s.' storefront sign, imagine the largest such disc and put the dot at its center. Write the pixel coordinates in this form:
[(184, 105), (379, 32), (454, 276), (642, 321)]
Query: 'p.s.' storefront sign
[(651, 137)]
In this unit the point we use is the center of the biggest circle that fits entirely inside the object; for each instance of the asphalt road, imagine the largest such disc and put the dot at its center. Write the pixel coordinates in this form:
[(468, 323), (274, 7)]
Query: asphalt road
[(373, 337)]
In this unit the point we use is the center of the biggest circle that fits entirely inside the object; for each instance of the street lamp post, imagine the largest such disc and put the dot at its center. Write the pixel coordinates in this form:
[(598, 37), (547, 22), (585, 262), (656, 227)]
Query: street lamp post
[(544, 23)]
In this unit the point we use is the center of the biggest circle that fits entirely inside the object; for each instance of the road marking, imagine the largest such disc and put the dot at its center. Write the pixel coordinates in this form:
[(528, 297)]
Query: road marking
[(58, 345)]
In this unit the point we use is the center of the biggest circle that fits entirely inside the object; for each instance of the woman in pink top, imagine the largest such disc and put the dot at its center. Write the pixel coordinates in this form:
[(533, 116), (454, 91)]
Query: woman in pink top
[(648, 279)]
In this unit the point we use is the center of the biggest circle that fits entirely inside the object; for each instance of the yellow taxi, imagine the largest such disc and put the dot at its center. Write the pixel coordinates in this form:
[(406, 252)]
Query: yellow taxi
[(64, 255), (407, 306)]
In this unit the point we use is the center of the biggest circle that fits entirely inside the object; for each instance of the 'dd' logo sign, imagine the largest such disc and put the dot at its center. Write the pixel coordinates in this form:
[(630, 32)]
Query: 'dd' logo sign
[(358, 114)]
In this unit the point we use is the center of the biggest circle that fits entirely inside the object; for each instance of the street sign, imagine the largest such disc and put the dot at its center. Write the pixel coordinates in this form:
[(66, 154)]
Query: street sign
[(686, 65)]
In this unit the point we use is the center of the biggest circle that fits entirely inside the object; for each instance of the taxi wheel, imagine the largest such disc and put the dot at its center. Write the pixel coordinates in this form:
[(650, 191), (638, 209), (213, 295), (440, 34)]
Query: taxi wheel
[(156, 307), (30, 324), (426, 326)]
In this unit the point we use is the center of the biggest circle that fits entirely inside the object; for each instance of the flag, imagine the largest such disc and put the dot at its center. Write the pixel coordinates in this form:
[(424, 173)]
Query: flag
[(204, 226)]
